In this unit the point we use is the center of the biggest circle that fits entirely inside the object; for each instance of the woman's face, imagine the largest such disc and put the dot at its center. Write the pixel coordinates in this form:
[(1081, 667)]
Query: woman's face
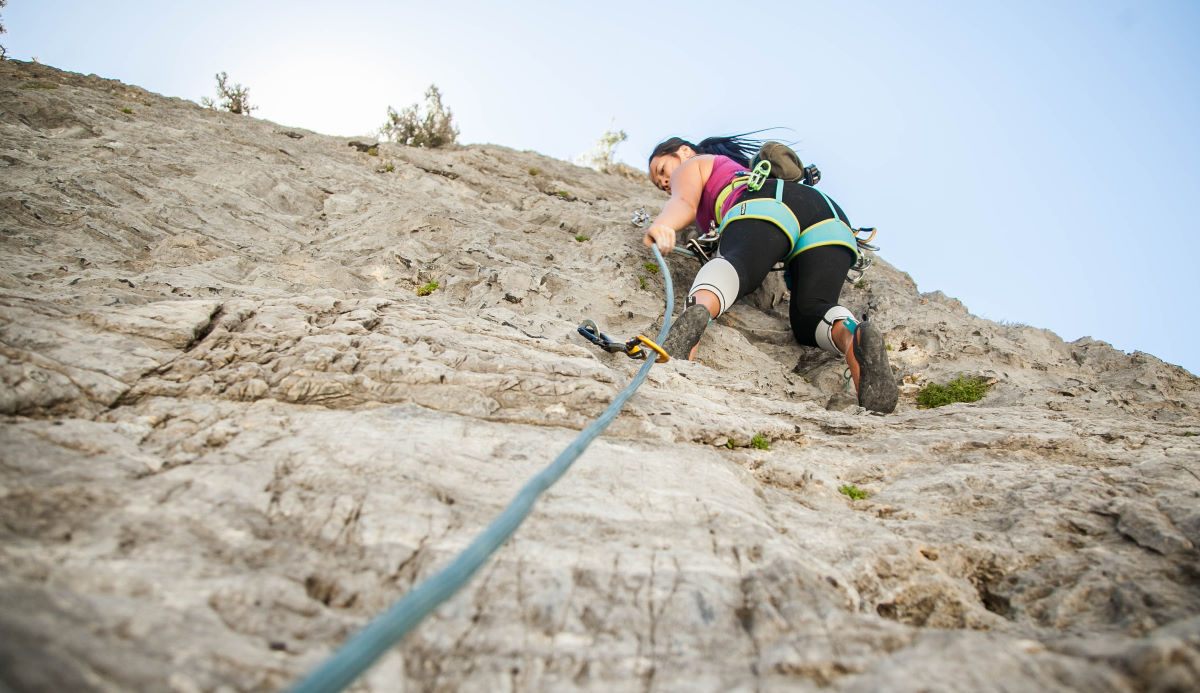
[(661, 167)]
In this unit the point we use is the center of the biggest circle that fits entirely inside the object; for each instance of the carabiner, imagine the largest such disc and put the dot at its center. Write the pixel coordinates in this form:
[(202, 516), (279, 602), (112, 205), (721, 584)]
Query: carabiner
[(635, 350), (861, 241), (759, 175), (592, 333)]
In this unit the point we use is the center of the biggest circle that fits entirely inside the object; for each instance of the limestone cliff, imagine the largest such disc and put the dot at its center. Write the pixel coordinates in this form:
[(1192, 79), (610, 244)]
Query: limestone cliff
[(233, 432)]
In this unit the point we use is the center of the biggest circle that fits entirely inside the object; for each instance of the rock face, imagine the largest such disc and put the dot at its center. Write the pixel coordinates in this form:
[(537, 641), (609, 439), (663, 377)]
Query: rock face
[(233, 433)]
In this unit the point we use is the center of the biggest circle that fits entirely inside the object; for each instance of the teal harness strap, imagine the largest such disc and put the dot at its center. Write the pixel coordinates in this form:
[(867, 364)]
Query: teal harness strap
[(828, 232), (829, 202)]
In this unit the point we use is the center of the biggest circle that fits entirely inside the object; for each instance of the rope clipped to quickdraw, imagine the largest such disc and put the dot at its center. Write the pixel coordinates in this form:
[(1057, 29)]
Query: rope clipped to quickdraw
[(375, 638), (633, 348)]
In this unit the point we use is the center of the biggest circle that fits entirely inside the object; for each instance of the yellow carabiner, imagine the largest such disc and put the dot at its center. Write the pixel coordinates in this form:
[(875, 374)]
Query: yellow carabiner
[(662, 355)]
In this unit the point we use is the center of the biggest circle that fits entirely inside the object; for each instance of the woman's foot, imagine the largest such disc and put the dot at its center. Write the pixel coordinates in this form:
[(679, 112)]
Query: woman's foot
[(682, 340), (873, 378)]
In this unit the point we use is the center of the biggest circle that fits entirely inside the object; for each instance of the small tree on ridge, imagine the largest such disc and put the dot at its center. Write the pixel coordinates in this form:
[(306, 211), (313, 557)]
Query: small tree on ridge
[(603, 154), (234, 99), (434, 128), (3, 51)]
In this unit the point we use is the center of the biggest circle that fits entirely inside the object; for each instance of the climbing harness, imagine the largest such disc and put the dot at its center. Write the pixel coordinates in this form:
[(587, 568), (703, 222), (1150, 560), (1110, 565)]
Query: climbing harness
[(633, 348), (831, 231), (370, 642)]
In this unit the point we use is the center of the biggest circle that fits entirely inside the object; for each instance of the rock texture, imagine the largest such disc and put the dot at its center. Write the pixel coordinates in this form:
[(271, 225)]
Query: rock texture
[(233, 433)]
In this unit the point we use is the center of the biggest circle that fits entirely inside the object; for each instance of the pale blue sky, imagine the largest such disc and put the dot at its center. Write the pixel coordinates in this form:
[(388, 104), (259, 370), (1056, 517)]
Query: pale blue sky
[(1036, 160)]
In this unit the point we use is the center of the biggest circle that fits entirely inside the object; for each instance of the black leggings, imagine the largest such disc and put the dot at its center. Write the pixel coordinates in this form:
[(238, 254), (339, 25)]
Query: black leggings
[(753, 246)]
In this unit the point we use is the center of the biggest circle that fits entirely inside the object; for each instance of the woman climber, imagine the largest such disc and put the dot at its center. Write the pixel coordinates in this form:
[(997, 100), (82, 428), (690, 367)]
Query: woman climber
[(778, 222)]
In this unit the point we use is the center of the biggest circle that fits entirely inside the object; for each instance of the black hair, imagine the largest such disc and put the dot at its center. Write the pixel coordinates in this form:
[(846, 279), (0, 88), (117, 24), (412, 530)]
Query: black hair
[(740, 148)]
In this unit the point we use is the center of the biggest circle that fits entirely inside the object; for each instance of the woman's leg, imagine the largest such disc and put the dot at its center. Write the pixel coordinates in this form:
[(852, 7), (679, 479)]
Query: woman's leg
[(817, 278), (749, 249), (817, 320), (752, 247)]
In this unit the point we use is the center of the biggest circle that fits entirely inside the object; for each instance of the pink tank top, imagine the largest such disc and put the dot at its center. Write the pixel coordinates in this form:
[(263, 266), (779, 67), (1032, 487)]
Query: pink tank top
[(723, 172)]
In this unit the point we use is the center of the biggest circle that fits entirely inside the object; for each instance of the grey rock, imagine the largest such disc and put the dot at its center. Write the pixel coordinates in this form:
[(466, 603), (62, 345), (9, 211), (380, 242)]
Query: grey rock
[(1144, 524), (841, 401), (233, 433)]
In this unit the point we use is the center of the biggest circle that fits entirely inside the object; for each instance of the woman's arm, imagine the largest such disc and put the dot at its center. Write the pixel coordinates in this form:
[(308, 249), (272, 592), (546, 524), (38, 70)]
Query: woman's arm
[(687, 182)]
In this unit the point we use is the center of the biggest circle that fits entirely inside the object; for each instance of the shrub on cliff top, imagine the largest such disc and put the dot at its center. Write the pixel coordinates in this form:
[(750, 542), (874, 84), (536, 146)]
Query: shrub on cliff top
[(603, 154), (434, 128), (235, 99), (3, 52)]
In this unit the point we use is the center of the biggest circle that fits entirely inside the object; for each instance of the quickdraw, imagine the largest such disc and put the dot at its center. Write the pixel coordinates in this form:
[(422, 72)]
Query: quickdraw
[(636, 348)]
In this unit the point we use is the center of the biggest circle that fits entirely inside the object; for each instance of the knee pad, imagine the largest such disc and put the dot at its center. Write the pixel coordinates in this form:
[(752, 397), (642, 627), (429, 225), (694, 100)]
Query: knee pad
[(719, 277), (824, 332)]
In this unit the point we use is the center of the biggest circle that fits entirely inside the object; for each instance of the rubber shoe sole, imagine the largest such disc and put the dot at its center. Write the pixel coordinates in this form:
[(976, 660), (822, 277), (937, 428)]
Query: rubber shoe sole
[(685, 332), (877, 388)]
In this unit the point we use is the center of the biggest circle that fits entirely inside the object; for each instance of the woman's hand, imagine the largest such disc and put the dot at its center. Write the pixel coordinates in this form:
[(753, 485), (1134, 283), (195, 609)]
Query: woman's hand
[(687, 184), (661, 235)]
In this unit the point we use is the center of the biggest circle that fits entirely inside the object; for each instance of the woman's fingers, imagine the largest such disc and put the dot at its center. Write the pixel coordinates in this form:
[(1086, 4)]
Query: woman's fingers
[(661, 235)]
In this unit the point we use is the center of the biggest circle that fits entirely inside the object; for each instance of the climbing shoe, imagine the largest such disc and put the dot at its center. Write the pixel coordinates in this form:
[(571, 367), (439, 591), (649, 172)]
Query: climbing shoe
[(877, 389), (685, 332)]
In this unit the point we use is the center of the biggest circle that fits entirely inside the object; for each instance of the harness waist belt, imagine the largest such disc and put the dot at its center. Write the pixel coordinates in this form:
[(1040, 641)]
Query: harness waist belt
[(741, 180)]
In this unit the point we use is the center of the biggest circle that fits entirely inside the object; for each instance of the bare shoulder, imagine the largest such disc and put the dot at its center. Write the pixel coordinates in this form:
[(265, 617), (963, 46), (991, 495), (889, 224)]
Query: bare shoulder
[(705, 162), (699, 166)]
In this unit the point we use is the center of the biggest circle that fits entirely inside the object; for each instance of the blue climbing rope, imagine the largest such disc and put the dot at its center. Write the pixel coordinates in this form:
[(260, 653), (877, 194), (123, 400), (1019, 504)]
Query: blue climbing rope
[(375, 638)]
